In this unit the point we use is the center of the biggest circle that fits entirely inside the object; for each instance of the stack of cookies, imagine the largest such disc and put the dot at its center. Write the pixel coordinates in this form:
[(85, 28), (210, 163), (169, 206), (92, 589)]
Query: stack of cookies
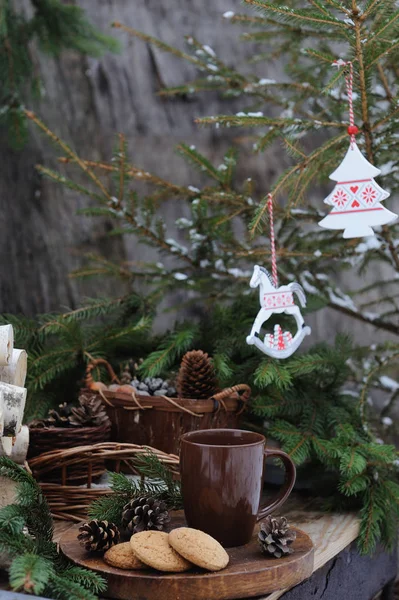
[(174, 552)]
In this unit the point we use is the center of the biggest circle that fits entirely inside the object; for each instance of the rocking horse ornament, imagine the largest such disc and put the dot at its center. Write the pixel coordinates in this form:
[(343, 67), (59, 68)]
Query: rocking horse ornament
[(276, 300)]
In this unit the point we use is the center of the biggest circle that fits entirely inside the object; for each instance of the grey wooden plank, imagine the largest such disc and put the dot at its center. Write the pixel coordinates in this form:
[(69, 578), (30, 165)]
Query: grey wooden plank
[(348, 576)]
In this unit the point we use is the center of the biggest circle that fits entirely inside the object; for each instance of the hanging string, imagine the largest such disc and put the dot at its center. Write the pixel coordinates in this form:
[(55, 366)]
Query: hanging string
[(272, 240), (352, 129)]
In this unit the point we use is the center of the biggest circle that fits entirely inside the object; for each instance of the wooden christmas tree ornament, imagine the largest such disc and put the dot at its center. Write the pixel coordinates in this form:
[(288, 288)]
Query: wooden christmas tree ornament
[(356, 198)]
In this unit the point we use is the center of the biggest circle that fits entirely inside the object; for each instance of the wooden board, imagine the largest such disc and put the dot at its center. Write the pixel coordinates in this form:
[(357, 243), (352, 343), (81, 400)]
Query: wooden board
[(330, 534), (249, 573)]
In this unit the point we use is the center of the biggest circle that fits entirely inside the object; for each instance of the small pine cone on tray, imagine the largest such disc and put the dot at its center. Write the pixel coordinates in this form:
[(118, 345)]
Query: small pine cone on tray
[(98, 536), (143, 514), (275, 537)]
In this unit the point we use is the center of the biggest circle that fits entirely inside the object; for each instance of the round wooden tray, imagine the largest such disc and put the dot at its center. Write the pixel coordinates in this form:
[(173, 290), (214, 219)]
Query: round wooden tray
[(248, 574)]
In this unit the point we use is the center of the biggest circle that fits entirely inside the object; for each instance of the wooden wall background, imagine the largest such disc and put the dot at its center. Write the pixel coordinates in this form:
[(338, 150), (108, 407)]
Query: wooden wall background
[(88, 101)]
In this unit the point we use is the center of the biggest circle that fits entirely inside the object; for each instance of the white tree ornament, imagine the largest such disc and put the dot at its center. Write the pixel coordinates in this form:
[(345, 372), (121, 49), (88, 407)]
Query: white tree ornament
[(356, 198), (277, 300)]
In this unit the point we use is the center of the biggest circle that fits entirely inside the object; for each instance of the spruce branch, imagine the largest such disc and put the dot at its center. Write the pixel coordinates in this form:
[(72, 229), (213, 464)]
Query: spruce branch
[(131, 171), (389, 22), (365, 115), (261, 211), (159, 483), (358, 316), (36, 567), (296, 16), (200, 161), (371, 7), (384, 80), (59, 26), (30, 573), (155, 42), (383, 54), (56, 140), (174, 346), (363, 86)]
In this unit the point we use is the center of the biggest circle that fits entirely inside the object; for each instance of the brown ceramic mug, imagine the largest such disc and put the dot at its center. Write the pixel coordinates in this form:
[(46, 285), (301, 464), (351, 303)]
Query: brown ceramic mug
[(222, 481)]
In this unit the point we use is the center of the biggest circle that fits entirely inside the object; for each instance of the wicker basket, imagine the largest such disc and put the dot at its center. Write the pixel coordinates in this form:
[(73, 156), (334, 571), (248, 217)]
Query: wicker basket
[(160, 421), (49, 439), (70, 501)]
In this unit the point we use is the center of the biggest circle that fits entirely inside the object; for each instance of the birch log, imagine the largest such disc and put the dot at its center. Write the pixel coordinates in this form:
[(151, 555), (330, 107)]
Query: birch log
[(1, 416), (16, 448), (6, 446), (6, 344), (14, 399), (15, 372), (8, 495)]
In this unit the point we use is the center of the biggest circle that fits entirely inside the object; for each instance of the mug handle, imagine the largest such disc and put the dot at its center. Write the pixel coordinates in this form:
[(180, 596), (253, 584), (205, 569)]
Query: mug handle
[(290, 476)]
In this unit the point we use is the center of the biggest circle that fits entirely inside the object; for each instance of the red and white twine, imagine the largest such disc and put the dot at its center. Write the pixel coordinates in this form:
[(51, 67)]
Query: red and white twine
[(349, 91), (352, 129), (272, 240)]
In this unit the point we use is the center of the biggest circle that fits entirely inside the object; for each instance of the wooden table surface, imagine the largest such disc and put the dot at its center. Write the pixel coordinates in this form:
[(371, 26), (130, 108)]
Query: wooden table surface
[(330, 532)]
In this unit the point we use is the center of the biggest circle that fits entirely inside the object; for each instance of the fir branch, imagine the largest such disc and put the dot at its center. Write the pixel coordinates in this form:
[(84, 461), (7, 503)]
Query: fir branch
[(296, 16), (157, 43), (271, 371), (30, 115), (64, 588), (72, 185), (93, 308), (59, 26), (174, 346), (385, 83), (199, 161), (371, 6), (383, 54), (34, 505), (389, 22), (140, 327), (87, 579), (36, 567), (261, 211), (150, 466), (258, 120), (131, 171), (30, 573), (161, 485)]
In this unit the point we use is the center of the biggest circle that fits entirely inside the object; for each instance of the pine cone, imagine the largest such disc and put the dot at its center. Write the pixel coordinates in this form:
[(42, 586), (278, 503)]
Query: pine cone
[(275, 537), (90, 413), (98, 536), (197, 376), (126, 376), (142, 514), (56, 418), (61, 417)]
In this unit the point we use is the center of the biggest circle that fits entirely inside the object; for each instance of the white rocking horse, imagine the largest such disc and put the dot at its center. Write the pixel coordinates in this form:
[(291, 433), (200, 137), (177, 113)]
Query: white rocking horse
[(277, 300)]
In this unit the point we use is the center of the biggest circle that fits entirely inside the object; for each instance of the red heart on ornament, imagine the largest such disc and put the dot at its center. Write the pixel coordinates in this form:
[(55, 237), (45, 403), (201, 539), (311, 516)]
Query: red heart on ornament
[(355, 204), (354, 188)]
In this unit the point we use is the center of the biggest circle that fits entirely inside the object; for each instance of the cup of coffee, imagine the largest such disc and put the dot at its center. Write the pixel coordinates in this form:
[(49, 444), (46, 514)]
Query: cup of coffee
[(222, 481)]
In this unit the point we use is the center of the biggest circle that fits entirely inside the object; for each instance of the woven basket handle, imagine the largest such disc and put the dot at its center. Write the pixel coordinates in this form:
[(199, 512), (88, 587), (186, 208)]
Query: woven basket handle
[(95, 363), (241, 388)]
